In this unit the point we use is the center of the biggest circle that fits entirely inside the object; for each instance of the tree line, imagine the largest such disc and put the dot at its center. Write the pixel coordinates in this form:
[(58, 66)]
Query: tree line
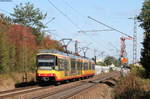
[(144, 19), (21, 36)]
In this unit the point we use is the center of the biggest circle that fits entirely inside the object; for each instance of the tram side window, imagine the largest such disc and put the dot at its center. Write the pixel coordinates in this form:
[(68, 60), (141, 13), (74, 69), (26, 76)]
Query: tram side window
[(85, 66), (90, 66), (58, 63), (66, 65), (78, 65), (82, 66), (73, 66), (93, 67)]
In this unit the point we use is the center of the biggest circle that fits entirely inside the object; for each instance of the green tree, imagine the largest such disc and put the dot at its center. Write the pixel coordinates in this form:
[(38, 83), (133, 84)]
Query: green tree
[(27, 15), (4, 54), (12, 57), (6, 19), (144, 18), (101, 63), (4, 47), (111, 60)]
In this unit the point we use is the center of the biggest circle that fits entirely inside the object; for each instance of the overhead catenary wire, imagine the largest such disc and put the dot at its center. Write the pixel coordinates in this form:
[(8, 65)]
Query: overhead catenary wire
[(50, 20), (82, 31), (93, 30), (73, 9), (110, 27), (76, 11), (67, 17), (83, 16), (102, 44)]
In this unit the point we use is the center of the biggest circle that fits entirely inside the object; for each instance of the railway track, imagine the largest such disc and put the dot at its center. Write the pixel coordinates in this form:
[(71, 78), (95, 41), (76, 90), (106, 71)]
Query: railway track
[(18, 91), (55, 92), (71, 91)]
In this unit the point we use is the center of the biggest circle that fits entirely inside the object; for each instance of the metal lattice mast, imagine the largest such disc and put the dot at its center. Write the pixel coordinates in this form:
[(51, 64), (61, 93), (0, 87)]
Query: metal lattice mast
[(135, 40)]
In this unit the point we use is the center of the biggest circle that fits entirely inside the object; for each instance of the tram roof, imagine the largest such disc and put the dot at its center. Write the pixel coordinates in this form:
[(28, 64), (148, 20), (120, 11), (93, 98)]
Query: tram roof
[(62, 53)]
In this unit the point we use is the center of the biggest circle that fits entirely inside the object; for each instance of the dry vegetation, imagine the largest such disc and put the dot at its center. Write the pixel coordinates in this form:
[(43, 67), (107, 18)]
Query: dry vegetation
[(132, 86), (6, 83), (100, 91), (14, 79)]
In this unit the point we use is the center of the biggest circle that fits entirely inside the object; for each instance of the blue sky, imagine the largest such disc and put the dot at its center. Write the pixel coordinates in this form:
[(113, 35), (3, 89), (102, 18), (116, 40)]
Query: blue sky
[(111, 12)]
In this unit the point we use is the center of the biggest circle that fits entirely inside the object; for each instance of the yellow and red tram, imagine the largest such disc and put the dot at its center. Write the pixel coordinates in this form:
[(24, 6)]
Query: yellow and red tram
[(55, 66)]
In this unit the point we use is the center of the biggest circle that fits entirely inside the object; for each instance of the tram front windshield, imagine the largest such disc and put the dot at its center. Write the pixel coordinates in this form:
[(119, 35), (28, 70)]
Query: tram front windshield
[(46, 61)]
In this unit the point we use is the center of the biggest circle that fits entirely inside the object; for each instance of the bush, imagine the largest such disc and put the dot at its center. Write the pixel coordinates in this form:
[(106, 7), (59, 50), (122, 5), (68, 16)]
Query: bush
[(140, 71), (132, 87)]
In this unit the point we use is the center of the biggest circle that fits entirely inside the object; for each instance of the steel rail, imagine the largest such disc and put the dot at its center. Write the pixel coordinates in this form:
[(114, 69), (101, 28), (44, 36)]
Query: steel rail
[(20, 91), (69, 90), (73, 90)]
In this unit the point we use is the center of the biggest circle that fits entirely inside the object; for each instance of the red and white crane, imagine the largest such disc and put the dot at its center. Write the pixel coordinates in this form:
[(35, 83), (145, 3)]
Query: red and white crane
[(123, 53)]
